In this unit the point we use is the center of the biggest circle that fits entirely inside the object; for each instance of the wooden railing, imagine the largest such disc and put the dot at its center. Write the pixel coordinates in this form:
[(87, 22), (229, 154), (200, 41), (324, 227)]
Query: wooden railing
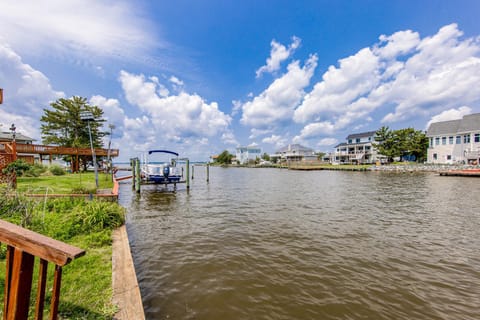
[(42, 149), (22, 247)]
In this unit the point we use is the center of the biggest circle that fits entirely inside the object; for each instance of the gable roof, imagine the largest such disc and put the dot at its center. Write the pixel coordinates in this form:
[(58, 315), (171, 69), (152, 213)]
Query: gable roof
[(7, 136), (294, 147), (361, 135), (468, 123)]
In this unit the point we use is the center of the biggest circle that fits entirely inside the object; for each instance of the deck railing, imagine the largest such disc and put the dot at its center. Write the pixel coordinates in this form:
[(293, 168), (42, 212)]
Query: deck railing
[(22, 247), (42, 149)]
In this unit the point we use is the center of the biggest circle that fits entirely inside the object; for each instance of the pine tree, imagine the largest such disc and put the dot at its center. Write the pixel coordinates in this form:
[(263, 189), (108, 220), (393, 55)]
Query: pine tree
[(62, 126)]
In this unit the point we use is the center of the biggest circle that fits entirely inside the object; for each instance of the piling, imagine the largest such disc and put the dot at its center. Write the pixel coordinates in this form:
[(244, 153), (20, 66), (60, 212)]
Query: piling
[(193, 170), (137, 173), (132, 165), (188, 174), (208, 172)]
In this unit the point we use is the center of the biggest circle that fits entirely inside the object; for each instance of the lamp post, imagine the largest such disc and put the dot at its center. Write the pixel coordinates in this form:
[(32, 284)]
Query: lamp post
[(109, 161), (88, 116), (14, 155), (14, 142)]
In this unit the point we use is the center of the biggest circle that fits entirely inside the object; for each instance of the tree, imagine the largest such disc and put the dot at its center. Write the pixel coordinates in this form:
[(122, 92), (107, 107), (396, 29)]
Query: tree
[(225, 157), (401, 143), (62, 125), (266, 156)]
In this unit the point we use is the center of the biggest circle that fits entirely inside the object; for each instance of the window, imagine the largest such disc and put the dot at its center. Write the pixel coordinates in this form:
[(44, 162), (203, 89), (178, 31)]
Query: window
[(476, 137), (437, 141), (357, 140), (449, 157), (450, 140), (459, 140), (349, 140), (466, 138), (444, 140), (431, 142), (434, 156)]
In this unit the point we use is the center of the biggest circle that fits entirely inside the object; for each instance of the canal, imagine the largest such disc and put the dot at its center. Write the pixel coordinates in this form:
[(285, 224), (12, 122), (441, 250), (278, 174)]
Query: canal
[(279, 244)]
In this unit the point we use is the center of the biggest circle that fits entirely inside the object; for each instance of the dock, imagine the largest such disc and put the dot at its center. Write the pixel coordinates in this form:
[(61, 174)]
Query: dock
[(461, 173)]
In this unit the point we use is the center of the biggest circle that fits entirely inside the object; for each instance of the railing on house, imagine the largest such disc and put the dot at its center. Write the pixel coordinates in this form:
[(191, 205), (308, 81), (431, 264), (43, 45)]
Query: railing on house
[(22, 247)]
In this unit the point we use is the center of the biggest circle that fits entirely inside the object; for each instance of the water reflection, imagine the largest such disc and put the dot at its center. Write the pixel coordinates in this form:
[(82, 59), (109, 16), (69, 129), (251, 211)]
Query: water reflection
[(278, 244)]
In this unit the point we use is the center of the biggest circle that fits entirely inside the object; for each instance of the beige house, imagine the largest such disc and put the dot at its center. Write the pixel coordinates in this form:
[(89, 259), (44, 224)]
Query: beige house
[(455, 141)]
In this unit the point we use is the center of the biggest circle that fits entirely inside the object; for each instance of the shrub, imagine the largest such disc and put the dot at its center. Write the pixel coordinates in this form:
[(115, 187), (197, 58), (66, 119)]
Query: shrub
[(83, 190), (19, 166), (35, 171), (56, 170)]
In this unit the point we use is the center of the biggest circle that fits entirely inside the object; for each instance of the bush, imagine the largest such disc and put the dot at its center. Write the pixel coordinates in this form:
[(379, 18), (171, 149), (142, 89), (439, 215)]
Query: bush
[(35, 171), (83, 190), (56, 170), (19, 166)]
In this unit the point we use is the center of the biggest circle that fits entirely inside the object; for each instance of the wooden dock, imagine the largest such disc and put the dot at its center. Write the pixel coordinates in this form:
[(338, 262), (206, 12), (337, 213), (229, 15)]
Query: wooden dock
[(461, 173)]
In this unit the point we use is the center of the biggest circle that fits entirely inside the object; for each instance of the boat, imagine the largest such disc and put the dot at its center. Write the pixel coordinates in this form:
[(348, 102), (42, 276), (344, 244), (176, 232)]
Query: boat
[(161, 173)]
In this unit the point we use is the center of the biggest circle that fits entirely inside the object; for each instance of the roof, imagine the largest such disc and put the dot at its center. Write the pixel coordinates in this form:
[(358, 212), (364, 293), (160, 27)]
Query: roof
[(467, 124), (294, 147), (361, 135), (7, 136), (343, 144)]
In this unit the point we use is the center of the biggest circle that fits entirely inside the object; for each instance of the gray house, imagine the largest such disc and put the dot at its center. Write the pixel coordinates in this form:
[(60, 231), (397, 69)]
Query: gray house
[(455, 141)]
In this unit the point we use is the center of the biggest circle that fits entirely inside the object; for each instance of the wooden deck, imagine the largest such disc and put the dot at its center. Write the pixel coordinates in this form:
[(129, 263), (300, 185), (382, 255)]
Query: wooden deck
[(462, 173)]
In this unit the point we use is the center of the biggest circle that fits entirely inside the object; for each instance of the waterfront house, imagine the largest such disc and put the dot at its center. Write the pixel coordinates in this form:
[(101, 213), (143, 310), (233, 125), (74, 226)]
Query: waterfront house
[(358, 149), (7, 137), (455, 141), (246, 154), (294, 152)]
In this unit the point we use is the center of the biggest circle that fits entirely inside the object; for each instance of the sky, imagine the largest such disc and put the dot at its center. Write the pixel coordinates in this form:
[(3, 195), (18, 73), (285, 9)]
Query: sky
[(200, 77)]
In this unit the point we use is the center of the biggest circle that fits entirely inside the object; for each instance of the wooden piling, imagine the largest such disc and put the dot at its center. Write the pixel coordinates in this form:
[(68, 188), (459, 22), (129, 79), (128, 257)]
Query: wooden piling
[(208, 172), (188, 174), (137, 173)]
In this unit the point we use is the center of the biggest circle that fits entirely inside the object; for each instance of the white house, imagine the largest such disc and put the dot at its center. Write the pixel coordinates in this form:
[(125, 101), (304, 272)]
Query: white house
[(294, 152), (358, 149), (455, 141), (245, 154)]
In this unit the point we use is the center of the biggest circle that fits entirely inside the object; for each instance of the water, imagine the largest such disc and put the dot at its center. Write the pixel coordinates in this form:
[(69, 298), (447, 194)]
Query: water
[(279, 244)]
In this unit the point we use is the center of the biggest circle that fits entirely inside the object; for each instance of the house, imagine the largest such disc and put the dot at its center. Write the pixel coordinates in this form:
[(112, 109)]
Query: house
[(455, 141), (358, 149), (5, 156), (294, 152), (19, 138), (246, 154)]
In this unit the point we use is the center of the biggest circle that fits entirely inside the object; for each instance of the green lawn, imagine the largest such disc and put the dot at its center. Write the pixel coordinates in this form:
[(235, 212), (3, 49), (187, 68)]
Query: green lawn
[(86, 291), (68, 183)]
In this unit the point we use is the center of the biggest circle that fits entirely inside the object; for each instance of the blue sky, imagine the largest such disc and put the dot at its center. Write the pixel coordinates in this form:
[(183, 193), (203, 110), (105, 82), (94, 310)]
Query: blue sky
[(199, 77)]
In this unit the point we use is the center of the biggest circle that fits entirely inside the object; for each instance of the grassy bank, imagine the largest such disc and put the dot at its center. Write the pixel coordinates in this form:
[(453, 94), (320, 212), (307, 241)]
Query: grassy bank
[(86, 291), (64, 184)]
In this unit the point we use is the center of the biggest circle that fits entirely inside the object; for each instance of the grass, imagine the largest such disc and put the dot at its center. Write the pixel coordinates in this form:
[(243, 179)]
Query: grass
[(78, 183), (86, 291)]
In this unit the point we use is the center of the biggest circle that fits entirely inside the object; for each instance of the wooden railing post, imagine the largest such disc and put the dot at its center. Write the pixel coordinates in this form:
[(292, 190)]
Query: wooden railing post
[(22, 247)]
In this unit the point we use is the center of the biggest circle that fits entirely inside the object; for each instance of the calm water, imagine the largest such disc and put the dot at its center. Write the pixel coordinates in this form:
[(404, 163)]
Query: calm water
[(278, 244)]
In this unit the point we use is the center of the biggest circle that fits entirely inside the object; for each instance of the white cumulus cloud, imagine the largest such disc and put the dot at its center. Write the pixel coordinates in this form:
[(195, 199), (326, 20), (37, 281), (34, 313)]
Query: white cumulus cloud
[(174, 117), (278, 54), (27, 92), (277, 103)]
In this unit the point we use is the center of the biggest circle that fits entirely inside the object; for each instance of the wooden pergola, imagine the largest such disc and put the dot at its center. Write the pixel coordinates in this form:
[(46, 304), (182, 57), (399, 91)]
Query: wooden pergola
[(10, 150)]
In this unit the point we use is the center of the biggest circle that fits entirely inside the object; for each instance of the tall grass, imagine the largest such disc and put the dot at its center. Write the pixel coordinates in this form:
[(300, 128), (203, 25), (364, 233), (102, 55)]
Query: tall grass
[(86, 282)]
